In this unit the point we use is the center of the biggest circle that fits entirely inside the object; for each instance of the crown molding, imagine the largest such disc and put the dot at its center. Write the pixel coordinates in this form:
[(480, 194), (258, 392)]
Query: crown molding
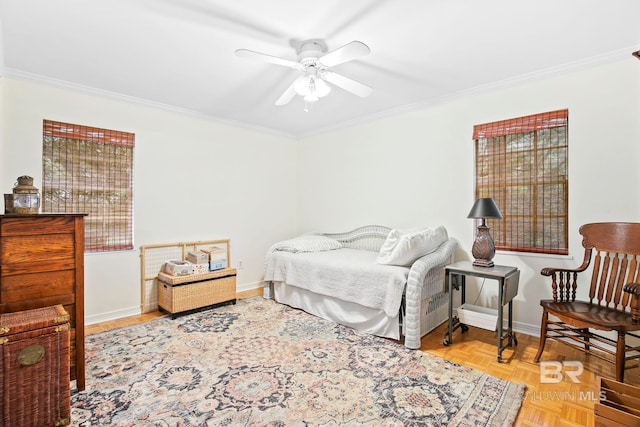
[(582, 64), (89, 90)]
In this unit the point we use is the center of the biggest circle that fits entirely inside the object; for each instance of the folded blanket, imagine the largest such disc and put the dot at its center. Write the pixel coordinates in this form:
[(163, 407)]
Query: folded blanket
[(348, 274)]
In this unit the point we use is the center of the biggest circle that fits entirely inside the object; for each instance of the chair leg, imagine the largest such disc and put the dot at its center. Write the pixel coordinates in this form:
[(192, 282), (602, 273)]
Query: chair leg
[(620, 357), (585, 335), (543, 336)]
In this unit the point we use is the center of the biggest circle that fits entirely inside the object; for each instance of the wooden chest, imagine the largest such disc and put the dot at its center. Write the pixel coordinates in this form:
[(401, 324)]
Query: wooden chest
[(178, 294), (34, 368)]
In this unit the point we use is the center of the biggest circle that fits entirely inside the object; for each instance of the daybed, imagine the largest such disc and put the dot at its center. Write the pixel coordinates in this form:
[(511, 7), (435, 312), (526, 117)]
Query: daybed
[(367, 278)]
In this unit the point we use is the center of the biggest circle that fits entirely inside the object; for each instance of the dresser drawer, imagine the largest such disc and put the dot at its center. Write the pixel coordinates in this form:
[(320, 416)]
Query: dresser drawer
[(28, 254), (31, 286), (35, 225)]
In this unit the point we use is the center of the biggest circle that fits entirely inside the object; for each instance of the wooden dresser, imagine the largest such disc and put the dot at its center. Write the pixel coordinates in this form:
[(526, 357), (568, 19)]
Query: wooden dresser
[(42, 259)]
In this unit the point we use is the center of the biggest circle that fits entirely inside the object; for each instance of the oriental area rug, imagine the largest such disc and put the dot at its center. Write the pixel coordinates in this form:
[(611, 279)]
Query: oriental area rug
[(259, 363)]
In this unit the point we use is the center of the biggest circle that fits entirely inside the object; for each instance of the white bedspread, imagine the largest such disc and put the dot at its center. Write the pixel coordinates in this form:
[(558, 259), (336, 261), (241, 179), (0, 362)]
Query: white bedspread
[(348, 274)]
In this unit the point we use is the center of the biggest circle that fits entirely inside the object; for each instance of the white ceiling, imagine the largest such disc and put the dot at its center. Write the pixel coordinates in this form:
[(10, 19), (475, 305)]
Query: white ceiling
[(179, 54)]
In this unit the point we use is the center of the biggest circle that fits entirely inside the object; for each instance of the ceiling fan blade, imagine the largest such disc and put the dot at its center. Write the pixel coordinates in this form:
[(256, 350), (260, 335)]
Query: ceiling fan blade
[(288, 94), (347, 84), (245, 53), (348, 52)]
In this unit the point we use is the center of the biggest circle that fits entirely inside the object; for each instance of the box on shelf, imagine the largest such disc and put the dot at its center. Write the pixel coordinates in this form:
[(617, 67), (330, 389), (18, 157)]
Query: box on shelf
[(177, 267), (198, 257), (215, 253), (217, 257), (481, 317), (201, 268), (217, 264)]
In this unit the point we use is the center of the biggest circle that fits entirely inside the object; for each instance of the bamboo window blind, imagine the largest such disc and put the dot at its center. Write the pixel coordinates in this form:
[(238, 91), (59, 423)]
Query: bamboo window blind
[(522, 164), (90, 170)]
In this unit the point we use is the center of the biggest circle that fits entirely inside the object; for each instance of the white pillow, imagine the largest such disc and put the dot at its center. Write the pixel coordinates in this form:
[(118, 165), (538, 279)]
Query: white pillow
[(308, 243), (404, 247)]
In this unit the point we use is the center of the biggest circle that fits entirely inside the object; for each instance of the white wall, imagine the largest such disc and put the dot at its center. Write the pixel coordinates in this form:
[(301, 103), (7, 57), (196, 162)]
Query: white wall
[(417, 168), (194, 180)]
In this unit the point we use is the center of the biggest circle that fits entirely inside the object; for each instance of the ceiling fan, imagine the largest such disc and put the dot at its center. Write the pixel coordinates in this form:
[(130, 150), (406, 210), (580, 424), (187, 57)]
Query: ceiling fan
[(314, 62)]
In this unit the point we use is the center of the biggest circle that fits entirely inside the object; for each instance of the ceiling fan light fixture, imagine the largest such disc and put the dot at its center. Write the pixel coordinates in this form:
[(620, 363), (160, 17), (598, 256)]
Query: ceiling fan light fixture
[(311, 97), (322, 88), (311, 88), (302, 85)]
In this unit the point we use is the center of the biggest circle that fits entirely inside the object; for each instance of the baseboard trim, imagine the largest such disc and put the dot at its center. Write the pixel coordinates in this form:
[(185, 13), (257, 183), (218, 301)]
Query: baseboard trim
[(527, 329), (112, 315), (152, 306), (249, 286)]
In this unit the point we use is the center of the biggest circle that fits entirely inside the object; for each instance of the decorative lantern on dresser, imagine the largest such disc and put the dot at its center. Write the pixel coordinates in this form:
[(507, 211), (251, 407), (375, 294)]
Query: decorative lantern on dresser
[(42, 257), (26, 198)]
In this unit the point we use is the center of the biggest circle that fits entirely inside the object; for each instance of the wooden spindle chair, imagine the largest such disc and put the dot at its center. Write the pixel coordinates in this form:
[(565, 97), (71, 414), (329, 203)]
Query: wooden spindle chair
[(613, 248)]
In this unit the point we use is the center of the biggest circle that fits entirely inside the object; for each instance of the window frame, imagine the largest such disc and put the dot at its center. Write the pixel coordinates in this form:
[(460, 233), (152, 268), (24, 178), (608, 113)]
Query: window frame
[(542, 226)]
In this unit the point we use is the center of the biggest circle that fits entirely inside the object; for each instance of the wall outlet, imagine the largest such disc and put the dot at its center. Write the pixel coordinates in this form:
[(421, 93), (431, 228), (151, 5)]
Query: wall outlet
[(240, 264)]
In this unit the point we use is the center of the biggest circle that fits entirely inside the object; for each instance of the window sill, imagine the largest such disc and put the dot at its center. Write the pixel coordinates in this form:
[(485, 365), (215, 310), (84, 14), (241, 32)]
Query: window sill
[(534, 255)]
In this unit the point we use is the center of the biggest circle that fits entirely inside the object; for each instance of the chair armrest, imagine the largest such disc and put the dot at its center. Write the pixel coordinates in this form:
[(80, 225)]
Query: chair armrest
[(634, 290), (565, 280), (416, 282), (550, 271)]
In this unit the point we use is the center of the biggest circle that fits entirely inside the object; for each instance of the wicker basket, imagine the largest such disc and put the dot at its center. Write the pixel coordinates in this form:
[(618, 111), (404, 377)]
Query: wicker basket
[(480, 317), (178, 294), (34, 370)]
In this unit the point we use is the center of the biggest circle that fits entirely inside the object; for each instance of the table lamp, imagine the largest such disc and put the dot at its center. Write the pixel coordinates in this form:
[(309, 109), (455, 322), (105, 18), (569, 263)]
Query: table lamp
[(483, 249)]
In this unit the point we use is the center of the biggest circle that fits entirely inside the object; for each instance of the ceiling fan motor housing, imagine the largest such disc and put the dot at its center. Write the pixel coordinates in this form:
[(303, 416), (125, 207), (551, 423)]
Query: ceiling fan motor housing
[(311, 50)]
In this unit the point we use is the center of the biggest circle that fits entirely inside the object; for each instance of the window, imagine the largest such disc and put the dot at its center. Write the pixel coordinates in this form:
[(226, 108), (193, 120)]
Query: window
[(522, 164), (90, 170)]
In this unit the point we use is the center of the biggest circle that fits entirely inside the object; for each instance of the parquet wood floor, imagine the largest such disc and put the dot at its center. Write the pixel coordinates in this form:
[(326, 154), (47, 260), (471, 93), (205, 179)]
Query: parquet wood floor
[(562, 404)]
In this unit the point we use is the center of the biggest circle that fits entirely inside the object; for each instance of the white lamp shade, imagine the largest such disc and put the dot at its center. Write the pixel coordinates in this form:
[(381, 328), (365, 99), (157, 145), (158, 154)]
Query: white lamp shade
[(308, 85), (311, 97), (322, 88), (302, 85)]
